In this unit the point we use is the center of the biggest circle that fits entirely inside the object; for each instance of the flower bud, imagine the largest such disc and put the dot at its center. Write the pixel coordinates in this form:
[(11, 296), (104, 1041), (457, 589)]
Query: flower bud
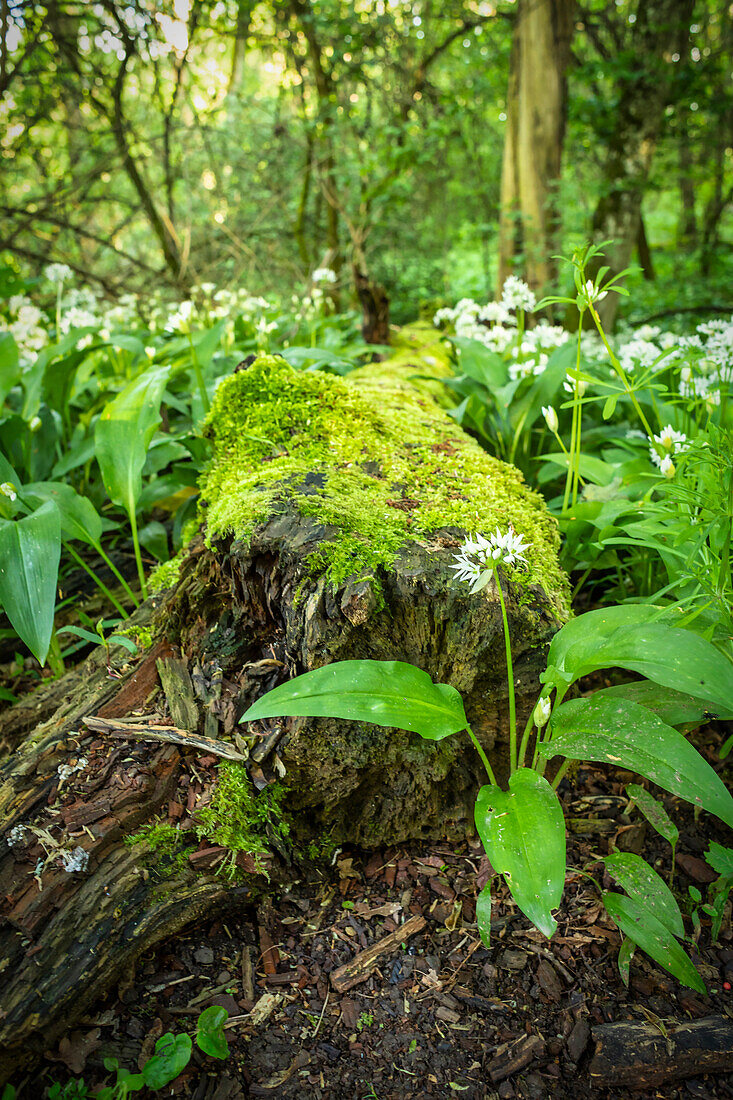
[(542, 712), (550, 418)]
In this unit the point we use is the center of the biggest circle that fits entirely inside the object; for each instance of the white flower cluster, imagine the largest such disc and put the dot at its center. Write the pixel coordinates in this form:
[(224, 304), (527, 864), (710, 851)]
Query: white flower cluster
[(515, 294), (77, 860), (26, 326), (480, 555), (7, 489), (324, 275), (664, 446), (638, 353), (58, 273), (80, 309)]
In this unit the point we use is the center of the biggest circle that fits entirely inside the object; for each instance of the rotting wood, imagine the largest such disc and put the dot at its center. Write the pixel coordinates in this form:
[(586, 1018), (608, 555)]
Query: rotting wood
[(638, 1055), (178, 689), (169, 734), (359, 968), (245, 615)]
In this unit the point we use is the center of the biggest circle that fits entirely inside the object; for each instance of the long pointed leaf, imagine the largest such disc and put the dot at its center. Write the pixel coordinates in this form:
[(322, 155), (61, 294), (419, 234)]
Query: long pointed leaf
[(30, 549), (628, 735), (642, 883), (386, 693), (523, 832), (653, 937), (123, 433)]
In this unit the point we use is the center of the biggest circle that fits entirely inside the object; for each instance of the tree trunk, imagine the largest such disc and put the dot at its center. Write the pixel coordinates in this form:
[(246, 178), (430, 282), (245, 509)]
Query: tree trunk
[(661, 28), (374, 307), (326, 542), (536, 109)]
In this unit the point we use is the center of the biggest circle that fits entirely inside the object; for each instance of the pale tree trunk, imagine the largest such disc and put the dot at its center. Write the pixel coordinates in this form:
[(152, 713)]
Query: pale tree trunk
[(661, 28), (536, 102)]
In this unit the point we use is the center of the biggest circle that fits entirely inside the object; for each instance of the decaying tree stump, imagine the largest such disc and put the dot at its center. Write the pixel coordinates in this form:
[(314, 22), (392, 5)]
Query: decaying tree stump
[(333, 509)]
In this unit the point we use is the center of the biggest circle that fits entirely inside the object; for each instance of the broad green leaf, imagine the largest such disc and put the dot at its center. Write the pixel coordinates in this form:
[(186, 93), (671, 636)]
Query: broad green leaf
[(154, 537), (210, 1035), (654, 812), (653, 937), (720, 858), (590, 467), (123, 433), (483, 914), (673, 707), (625, 955), (386, 693), (642, 883), (172, 1055), (630, 736), (79, 518), (30, 549), (124, 641), (481, 364), (668, 655), (576, 642), (523, 832), (10, 370)]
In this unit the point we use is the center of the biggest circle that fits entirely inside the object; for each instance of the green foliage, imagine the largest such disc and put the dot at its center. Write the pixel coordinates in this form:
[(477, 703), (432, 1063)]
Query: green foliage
[(210, 1032), (241, 819), (30, 549)]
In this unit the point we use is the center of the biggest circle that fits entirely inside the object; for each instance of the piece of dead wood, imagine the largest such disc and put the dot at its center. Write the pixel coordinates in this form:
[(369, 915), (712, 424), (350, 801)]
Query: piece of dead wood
[(178, 688), (132, 731), (360, 967), (512, 1057), (636, 1054)]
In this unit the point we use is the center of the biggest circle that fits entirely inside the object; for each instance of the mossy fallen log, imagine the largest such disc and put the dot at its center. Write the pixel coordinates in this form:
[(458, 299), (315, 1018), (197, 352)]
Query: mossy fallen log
[(332, 511)]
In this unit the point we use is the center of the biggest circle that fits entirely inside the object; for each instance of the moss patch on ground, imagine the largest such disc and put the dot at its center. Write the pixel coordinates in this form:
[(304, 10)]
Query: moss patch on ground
[(373, 457)]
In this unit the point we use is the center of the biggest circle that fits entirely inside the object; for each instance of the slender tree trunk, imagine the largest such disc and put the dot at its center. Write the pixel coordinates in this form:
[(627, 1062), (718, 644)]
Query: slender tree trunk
[(644, 252), (687, 231), (536, 110), (239, 49), (662, 26)]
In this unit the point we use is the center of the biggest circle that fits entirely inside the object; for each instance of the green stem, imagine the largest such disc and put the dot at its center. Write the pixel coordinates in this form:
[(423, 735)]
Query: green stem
[(97, 580), (205, 403), (510, 682), (482, 754), (560, 774), (111, 565), (138, 556), (525, 740), (54, 660), (622, 375)]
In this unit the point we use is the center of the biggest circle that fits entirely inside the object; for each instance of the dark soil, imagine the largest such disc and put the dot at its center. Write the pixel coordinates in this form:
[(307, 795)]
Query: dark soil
[(439, 1015)]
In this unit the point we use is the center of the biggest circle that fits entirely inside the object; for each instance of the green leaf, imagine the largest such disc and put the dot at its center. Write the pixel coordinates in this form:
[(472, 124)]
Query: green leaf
[(483, 914), (642, 883), (10, 370), (385, 693), (625, 955), (154, 537), (523, 832), (575, 643), (590, 467), (79, 518), (80, 632), (210, 1035), (123, 433), (720, 858), (124, 641), (654, 812), (630, 736), (481, 364), (625, 637), (653, 937), (30, 549), (172, 1055), (609, 408), (676, 708)]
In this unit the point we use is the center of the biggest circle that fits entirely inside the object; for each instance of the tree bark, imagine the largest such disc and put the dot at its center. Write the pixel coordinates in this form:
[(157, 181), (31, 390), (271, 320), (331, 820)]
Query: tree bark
[(245, 614), (661, 28), (535, 128)]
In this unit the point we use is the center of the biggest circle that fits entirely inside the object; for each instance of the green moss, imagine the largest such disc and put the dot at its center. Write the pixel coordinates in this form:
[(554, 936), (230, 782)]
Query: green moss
[(165, 575), (240, 819), (166, 842), (373, 457), (142, 636)]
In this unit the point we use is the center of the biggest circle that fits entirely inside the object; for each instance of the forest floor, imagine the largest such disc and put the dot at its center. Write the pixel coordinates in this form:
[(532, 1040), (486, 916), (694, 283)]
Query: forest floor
[(433, 1013)]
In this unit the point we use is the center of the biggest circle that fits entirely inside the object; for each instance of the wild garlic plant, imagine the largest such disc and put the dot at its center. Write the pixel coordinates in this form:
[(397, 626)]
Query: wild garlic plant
[(632, 726)]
